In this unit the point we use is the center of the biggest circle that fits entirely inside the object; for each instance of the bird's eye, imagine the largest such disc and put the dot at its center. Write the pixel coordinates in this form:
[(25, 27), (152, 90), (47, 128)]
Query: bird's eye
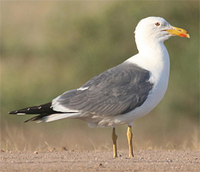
[(157, 24)]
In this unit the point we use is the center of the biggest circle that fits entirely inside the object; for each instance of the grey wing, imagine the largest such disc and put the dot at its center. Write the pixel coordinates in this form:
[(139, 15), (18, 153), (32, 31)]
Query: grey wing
[(115, 91)]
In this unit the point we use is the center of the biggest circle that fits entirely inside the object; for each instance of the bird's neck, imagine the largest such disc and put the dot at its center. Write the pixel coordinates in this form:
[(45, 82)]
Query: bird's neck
[(152, 50), (148, 46), (153, 57)]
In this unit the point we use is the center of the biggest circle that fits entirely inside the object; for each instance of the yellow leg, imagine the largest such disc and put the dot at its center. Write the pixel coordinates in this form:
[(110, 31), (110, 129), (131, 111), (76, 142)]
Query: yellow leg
[(114, 139), (130, 145)]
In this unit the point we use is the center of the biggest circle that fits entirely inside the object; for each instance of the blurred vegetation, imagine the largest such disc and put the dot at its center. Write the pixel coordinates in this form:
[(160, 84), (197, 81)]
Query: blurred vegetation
[(50, 47)]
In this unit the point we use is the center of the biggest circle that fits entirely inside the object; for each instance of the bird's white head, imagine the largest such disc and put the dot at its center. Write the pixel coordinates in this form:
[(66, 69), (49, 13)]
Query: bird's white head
[(154, 30)]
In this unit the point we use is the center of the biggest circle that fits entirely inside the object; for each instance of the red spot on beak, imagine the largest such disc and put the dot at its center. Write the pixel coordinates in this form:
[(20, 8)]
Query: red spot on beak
[(182, 35)]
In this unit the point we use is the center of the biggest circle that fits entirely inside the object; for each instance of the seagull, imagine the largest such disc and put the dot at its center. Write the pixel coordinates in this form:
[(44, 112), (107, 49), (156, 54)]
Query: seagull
[(122, 94)]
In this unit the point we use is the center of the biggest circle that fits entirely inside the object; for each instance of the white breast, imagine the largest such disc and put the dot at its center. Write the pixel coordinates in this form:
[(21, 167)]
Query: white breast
[(159, 66)]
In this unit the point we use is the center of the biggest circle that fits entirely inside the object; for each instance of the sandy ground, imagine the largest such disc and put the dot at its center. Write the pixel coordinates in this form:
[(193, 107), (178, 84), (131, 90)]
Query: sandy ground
[(146, 160)]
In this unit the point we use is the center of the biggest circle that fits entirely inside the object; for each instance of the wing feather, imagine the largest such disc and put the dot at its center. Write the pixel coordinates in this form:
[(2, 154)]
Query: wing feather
[(115, 91)]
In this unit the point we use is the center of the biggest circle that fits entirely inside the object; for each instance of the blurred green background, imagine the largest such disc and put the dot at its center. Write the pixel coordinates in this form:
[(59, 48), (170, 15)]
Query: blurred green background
[(50, 47)]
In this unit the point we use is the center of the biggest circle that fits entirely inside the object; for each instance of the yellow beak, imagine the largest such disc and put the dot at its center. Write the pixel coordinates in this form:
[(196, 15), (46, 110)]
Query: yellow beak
[(178, 32)]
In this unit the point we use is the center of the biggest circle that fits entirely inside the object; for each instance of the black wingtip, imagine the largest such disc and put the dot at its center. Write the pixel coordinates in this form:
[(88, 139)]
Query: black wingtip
[(26, 121), (44, 108), (35, 118), (13, 112)]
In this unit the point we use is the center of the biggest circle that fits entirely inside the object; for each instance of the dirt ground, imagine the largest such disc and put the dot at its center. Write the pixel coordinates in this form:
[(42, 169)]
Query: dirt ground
[(146, 160)]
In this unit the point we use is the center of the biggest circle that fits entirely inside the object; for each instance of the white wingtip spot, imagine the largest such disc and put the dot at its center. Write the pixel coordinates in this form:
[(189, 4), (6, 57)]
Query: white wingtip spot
[(82, 88), (21, 113)]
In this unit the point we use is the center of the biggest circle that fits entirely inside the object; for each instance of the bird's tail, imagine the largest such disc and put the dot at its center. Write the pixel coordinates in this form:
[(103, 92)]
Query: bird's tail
[(45, 111)]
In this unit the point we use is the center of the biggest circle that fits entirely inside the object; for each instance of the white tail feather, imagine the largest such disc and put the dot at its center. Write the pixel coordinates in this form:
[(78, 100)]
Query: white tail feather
[(58, 116)]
